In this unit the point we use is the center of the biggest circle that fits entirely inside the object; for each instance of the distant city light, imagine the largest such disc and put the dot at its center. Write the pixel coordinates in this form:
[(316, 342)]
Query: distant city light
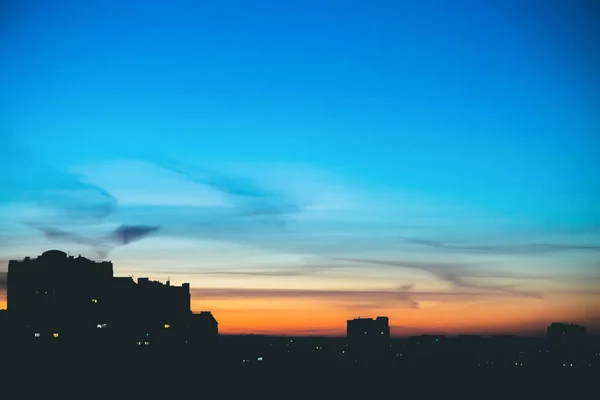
[(36, 334), (167, 326), (55, 334), (260, 359), (94, 301)]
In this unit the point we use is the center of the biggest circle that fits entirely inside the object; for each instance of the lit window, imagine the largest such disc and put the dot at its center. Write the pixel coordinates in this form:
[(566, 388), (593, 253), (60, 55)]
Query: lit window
[(382, 333), (167, 326), (147, 343), (101, 326), (55, 334), (36, 334), (259, 359), (94, 301), (139, 343)]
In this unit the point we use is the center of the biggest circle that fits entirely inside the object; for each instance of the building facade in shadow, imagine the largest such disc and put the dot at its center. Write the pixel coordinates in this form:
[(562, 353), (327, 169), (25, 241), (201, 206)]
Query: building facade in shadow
[(568, 344), (57, 298), (368, 339)]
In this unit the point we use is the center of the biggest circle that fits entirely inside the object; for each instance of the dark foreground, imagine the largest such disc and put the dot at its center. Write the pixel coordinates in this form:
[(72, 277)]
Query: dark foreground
[(58, 374)]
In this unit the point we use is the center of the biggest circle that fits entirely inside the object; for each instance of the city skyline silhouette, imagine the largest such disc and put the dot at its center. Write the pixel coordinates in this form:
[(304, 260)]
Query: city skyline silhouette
[(58, 286), (312, 198), (72, 317), (397, 329)]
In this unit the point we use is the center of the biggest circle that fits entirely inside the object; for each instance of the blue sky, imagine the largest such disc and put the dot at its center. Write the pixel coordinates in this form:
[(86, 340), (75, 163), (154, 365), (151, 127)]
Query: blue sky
[(264, 135)]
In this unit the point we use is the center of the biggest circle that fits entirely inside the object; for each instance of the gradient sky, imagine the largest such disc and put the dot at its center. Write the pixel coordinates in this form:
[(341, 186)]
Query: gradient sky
[(300, 163)]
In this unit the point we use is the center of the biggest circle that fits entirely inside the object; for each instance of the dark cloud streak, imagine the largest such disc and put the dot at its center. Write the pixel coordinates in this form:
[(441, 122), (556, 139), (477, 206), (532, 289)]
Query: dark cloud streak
[(455, 274), (251, 200), (351, 295), (131, 233), (121, 236), (533, 248)]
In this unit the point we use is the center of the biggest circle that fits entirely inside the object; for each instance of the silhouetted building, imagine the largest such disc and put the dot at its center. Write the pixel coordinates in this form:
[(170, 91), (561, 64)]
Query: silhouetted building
[(57, 284), (368, 336), (57, 297), (205, 328), (567, 343), (368, 329), (560, 334)]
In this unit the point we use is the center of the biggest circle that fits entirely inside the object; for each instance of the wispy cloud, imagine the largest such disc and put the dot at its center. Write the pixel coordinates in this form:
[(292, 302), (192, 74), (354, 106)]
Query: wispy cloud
[(532, 248), (279, 273), (3, 284), (390, 298), (311, 269), (122, 235), (251, 211), (127, 233), (3, 280), (456, 274), (249, 198), (66, 197)]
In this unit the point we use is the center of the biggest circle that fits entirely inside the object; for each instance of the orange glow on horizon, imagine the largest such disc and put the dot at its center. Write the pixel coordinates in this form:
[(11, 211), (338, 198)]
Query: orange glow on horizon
[(303, 316), (317, 317)]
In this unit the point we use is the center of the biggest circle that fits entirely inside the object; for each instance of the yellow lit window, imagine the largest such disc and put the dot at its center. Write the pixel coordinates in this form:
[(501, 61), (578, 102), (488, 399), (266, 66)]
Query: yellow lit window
[(167, 326), (55, 334), (94, 301)]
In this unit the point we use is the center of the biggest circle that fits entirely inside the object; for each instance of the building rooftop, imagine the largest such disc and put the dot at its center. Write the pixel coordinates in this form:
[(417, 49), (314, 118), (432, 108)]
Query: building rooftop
[(54, 254)]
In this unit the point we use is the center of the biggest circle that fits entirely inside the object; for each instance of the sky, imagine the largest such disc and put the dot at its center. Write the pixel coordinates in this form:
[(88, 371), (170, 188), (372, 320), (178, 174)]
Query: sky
[(301, 163)]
